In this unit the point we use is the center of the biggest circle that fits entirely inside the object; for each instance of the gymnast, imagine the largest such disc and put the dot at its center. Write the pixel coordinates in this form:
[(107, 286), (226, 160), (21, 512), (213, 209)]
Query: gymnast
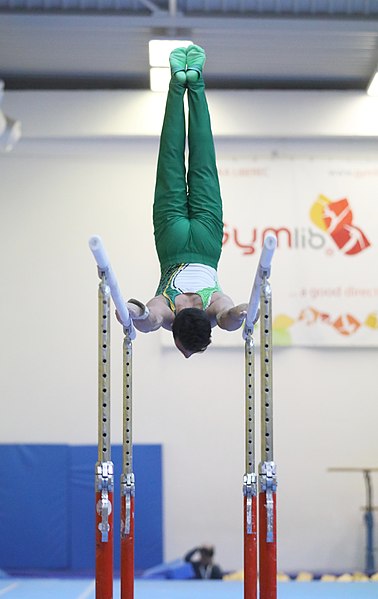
[(188, 221)]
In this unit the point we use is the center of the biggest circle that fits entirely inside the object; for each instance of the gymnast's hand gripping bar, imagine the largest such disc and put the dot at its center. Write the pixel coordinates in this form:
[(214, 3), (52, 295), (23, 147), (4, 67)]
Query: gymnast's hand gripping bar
[(263, 271), (104, 266)]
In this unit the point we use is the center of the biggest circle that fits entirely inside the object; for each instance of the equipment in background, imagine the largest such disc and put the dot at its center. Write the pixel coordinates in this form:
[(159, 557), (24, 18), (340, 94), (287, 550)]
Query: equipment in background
[(368, 516)]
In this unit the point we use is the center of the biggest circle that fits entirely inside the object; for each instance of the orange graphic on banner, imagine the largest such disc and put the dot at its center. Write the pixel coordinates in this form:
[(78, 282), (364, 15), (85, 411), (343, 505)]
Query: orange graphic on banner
[(336, 218), (344, 324)]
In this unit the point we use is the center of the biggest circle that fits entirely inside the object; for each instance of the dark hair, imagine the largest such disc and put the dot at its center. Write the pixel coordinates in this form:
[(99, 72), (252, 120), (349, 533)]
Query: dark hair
[(192, 328), (207, 551)]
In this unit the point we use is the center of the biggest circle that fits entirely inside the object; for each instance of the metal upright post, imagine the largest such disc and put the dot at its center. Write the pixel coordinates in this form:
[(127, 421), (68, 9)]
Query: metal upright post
[(260, 294), (127, 478), (109, 281), (104, 467), (369, 521), (267, 468), (250, 478)]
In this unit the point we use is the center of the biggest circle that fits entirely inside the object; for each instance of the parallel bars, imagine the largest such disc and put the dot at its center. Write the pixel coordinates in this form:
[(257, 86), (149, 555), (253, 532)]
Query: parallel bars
[(104, 467), (266, 552), (260, 294)]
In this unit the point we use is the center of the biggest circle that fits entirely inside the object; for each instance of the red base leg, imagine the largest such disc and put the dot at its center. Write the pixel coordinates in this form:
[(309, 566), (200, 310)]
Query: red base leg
[(104, 555), (250, 552), (127, 553), (267, 551)]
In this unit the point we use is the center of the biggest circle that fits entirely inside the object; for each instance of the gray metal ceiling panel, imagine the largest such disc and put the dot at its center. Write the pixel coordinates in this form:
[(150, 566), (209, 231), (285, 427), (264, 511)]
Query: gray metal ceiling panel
[(67, 50)]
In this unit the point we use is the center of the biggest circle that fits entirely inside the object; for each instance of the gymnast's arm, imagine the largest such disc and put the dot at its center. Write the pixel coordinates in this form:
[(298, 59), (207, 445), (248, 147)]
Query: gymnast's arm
[(225, 314), (189, 555), (158, 314)]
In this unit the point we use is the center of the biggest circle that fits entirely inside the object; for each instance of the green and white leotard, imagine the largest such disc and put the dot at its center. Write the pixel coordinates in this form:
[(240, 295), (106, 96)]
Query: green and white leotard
[(188, 278)]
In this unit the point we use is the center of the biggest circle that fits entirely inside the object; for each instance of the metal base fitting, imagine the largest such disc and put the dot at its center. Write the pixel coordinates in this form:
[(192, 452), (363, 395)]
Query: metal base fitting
[(268, 485), (249, 491), (105, 486), (127, 491)]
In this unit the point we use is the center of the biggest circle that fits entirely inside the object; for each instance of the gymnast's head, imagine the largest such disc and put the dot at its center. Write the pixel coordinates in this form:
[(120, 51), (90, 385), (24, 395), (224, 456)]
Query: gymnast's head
[(191, 330)]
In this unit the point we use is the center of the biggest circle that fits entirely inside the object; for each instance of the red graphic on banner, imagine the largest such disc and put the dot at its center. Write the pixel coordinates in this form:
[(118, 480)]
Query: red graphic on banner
[(333, 218), (336, 218)]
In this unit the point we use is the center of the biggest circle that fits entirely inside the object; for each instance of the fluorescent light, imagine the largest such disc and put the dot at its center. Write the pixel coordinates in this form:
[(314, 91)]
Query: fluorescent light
[(159, 50), (159, 79), (10, 133), (10, 130), (372, 90)]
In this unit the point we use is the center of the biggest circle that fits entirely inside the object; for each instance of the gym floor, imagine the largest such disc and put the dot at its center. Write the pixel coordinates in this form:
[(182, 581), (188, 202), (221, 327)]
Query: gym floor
[(38, 588)]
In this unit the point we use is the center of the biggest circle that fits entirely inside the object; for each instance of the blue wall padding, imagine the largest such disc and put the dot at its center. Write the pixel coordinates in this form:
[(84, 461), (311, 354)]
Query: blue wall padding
[(148, 505), (47, 507), (33, 506)]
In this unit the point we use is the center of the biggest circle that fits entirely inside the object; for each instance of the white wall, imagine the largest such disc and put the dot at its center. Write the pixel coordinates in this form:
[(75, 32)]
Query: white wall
[(83, 168)]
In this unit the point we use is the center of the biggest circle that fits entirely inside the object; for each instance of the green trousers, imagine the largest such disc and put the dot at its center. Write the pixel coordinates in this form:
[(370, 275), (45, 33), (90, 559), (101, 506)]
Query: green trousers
[(187, 213)]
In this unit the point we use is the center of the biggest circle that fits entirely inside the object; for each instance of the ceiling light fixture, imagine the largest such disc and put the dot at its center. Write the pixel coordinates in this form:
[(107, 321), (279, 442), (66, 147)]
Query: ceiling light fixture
[(159, 51), (10, 130), (159, 79), (372, 89)]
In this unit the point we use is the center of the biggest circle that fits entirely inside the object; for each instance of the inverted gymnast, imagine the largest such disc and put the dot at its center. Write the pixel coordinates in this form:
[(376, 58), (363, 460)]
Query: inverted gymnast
[(187, 217)]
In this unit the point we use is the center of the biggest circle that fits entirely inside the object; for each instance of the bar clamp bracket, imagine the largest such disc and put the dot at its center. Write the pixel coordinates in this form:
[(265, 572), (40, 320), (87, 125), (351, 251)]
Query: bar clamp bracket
[(104, 485), (268, 485), (249, 491), (127, 492)]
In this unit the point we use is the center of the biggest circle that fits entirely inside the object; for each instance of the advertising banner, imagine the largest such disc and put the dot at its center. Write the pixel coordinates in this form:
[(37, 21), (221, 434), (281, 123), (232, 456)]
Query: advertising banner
[(325, 270)]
